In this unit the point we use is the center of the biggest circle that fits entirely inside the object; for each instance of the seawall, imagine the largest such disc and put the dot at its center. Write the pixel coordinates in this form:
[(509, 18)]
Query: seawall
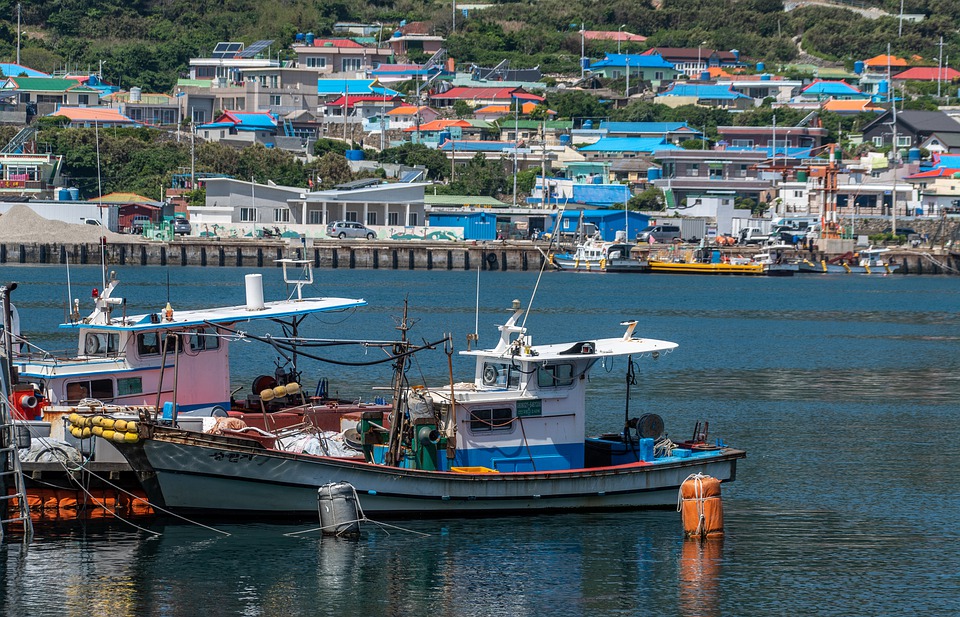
[(384, 255)]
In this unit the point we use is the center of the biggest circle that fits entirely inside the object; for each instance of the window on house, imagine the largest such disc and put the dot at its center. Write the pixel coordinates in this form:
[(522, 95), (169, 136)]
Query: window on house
[(351, 64), (658, 75), (693, 169), (275, 100), (741, 143), (248, 215), (316, 63), (83, 99), (903, 141), (281, 215), (393, 218), (798, 194), (352, 216), (372, 218), (878, 141), (315, 217), (413, 219), (743, 171), (274, 81)]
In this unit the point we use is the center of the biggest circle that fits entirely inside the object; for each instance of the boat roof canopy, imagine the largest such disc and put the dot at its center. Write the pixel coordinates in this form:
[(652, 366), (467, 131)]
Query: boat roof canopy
[(223, 315)]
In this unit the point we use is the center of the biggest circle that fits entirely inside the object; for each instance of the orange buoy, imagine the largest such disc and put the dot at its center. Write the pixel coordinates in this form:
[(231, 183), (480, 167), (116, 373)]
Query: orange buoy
[(701, 507)]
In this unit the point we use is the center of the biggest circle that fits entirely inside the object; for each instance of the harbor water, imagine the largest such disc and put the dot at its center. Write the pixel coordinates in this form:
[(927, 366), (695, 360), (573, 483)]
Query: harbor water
[(843, 390)]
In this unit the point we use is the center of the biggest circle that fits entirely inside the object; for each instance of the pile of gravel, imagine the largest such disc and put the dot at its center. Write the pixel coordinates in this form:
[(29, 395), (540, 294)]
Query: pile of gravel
[(21, 225)]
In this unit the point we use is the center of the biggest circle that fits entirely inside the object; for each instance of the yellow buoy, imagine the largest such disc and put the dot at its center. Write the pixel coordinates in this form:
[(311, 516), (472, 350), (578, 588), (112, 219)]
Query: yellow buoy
[(280, 391), (107, 422), (293, 388), (77, 432), (120, 425), (108, 435), (73, 418), (130, 437), (119, 437), (701, 507), (96, 420), (85, 433), (97, 430), (131, 426), (266, 395)]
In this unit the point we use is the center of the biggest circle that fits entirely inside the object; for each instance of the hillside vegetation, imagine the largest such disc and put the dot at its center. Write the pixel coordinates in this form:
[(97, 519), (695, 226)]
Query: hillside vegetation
[(148, 43)]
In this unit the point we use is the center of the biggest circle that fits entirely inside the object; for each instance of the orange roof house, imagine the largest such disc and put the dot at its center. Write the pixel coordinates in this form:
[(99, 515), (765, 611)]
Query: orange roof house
[(851, 107), (881, 61), (87, 117)]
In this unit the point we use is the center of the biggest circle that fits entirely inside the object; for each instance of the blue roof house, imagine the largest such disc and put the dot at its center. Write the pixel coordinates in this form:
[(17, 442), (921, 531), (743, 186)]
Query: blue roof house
[(242, 126), (620, 147), (673, 132), (643, 68), (821, 90), (706, 95)]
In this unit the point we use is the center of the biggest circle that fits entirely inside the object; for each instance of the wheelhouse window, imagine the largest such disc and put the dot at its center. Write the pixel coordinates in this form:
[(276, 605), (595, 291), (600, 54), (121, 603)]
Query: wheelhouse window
[(486, 420), (204, 340), (555, 376), (100, 389), (101, 344), (151, 344), (500, 375)]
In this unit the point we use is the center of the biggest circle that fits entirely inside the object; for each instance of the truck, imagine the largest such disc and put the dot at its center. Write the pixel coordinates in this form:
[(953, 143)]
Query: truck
[(685, 229), (753, 235)]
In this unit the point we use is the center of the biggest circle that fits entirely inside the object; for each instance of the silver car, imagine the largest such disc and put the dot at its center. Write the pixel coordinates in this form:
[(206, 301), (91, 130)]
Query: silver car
[(350, 229)]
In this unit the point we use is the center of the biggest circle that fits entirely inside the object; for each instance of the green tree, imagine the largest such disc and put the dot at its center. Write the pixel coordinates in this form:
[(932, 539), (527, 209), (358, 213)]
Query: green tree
[(480, 177), (650, 199), (418, 155), (333, 169)]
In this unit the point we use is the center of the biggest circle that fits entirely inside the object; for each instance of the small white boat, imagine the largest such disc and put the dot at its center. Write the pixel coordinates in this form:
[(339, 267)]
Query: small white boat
[(777, 260), (871, 260), (598, 256), (511, 440)]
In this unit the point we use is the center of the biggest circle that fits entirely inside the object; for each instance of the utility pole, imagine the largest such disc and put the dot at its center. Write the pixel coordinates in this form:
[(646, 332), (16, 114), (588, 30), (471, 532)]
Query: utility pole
[(18, 33), (940, 67)]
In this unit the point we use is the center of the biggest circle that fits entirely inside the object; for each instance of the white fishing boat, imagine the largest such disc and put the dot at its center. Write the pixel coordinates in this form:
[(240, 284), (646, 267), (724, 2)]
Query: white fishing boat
[(872, 260), (511, 440), (777, 260), (170, 356), (598, 256)]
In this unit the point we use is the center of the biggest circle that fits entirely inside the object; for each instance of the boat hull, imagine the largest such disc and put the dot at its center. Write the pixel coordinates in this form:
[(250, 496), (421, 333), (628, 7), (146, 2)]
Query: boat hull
[(186, 471), (706, 268), (807, 267)]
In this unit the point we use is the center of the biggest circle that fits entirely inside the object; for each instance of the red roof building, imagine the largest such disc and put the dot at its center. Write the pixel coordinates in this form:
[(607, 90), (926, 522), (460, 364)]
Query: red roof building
[(482, 96), (928, 73)]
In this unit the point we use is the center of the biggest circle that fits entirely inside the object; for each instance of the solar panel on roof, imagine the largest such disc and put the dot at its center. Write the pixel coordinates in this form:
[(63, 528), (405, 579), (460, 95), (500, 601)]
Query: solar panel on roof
[(226, 49), (411, 176), (255, 48)]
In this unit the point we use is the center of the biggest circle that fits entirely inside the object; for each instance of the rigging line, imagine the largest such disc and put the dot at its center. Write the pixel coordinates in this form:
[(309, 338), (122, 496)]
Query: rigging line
[(543, 265), (345, 363)]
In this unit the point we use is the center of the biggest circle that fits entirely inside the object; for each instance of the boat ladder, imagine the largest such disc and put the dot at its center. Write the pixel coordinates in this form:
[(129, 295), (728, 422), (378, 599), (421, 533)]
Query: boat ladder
[(10, 468)]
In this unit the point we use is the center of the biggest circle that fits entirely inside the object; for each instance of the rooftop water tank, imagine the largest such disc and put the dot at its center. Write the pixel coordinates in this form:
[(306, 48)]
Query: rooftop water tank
[(309, 38), (858, 67), (588, 124), (564, 140), (63, 194), (298, 37), (761, 67), (882, 87), (705, 76), (765, 77), (74, 193), (913, 155), (135, 93), (653, 173)]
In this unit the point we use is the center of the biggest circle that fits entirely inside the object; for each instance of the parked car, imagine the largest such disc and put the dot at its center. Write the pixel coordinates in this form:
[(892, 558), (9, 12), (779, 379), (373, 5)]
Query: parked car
[(659, 233), (350, 229), (137, 223), (787, 235), (181, 226), (753, 235)]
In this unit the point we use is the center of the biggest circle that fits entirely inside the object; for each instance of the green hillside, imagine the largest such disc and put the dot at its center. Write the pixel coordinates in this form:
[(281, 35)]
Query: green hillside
[(148, 43)]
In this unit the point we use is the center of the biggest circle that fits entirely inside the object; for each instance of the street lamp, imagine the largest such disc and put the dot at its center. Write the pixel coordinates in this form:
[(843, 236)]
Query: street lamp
[(618, 36)]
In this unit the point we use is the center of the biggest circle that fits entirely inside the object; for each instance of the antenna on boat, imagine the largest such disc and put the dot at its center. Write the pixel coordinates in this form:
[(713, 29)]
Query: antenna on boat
[(168, 285), (69, 292), (543, 265), (103, 238), (475, 335)]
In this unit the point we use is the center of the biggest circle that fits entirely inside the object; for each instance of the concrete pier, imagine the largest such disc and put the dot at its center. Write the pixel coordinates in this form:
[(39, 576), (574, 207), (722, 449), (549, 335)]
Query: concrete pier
[(382, 255)]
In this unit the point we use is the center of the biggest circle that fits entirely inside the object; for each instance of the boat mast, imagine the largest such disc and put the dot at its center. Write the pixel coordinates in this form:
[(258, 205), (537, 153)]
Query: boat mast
[(397, 429)]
